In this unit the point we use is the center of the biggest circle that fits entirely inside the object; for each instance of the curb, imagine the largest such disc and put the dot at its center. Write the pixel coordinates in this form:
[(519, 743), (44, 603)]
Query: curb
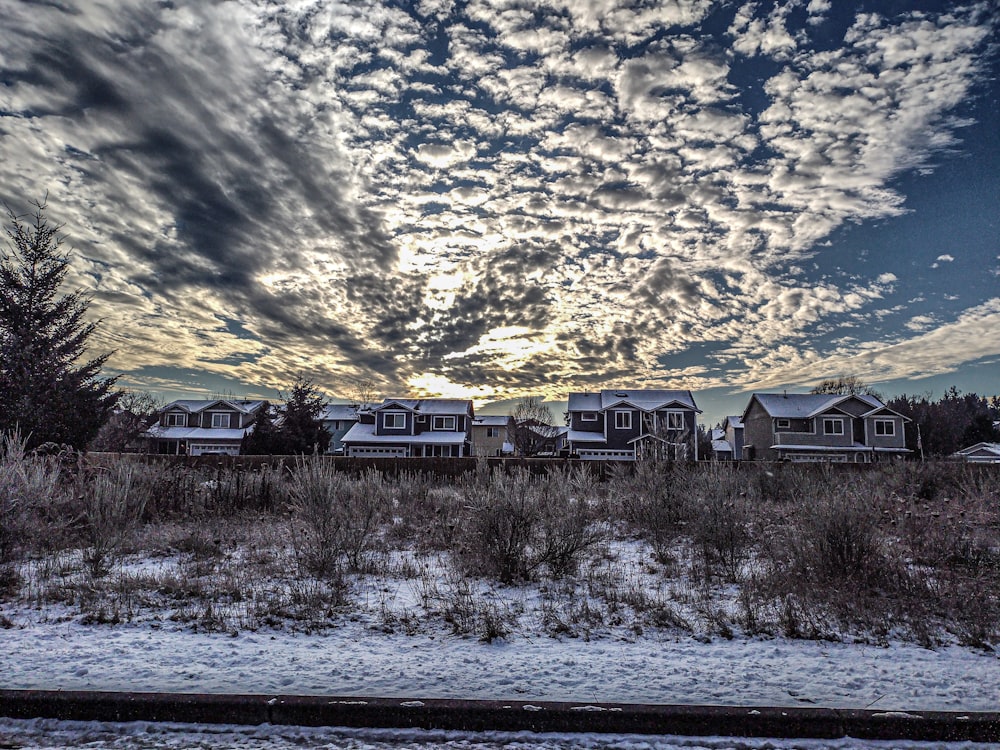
[(511, 716), (491, 715)]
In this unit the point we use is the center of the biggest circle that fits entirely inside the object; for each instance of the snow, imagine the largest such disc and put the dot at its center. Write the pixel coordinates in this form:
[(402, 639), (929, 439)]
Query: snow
[(354, 661)]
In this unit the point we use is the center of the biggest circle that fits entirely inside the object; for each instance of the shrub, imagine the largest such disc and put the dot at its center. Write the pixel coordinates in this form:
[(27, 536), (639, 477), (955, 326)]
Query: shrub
[(111, 510), (335, 519), (27, 484)]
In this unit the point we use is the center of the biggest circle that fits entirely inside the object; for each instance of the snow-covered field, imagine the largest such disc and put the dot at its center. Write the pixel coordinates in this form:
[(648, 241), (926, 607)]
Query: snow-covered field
[(354, 660)]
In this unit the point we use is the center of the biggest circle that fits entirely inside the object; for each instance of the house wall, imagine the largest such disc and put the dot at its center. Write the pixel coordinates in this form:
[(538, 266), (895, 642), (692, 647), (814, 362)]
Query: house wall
[(734, 436), (758, 432), (897, 440), (577, 422), (381, 429), (204, 418), (818, 438), (487, 446)]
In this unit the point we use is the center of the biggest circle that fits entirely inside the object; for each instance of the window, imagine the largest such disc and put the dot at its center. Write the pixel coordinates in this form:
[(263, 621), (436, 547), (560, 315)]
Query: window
[(833, 426), (394, 420), (492, 432), (784, 424), (675, 420), (885, 427), (177, 419), (220, 420), (588, 416), (443, 423), (623, 420)]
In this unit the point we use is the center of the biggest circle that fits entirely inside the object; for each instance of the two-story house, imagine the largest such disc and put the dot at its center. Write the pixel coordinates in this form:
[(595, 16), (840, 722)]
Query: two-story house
[(198, 428), (626, 425), (338, 419), (490, 436), (821, 427), (413, 428)]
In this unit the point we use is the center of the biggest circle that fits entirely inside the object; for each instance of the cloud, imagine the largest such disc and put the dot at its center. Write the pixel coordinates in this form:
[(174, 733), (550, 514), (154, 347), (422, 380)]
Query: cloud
[(483, 195)]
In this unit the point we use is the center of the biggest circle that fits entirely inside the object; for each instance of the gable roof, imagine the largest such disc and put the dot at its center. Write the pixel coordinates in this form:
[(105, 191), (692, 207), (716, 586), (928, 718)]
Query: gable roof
[(646, 400), (984, 449), (807, 405), (446, 406), (491, 420), (191, 406)]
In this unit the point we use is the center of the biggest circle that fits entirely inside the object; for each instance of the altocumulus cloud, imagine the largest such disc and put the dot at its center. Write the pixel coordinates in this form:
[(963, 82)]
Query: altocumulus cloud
[(445, 196)]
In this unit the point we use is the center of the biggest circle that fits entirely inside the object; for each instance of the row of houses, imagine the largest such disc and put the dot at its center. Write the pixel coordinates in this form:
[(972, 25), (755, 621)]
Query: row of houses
[(612, 424)]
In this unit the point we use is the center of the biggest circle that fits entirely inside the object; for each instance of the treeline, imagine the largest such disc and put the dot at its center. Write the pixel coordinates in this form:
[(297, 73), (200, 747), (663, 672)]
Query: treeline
[(955, 421)]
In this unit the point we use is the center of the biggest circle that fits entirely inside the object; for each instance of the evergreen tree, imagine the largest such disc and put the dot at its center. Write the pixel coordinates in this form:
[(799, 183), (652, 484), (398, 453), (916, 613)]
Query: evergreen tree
[(265, 440), (44, 390), (300, 429)]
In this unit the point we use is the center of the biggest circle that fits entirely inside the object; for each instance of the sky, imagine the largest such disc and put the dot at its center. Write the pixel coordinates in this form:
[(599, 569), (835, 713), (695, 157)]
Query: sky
[(490, 198)]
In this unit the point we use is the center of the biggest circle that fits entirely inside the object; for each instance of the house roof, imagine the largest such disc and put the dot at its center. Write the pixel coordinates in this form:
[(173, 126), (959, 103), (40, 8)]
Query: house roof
[(340, 411), (722, 446), (196, 433), (822, 448), (735, 421), (430, 405), (365, 433), (646, 400), (984, 449), (193, 407), (807, 405), (582, 436), (491, 420)]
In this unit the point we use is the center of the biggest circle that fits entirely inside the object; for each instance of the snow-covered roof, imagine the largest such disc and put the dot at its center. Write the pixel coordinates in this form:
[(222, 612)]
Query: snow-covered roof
[(722, 446), (491, 420), (333, 412), (582, 436), (734, 421), (584, 402), (822, 448), (197, 433), (193, 407), (647, 400), (365, 433)]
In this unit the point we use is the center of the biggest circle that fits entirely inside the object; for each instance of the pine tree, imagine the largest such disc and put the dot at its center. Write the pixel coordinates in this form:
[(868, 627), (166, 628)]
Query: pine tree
[(301, 429), (44, 390), (265, 439)]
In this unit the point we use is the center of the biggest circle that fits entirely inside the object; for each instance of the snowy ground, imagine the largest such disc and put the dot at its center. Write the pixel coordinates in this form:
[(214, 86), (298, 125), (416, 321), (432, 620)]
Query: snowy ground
[(352, 660), (144, 736)]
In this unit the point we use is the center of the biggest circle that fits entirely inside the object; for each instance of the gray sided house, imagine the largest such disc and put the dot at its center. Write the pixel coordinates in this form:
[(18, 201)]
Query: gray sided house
[(413, 428), (628, 425), (338, 419), (201, 428), (822, 427), (489, 436)]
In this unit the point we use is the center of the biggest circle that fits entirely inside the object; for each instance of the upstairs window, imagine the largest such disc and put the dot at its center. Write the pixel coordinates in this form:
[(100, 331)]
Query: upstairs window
[(588, 416), (784, 424), (675, 420), (443, 423), (221, 420), (492, 432), (885, 427), (833, 426), (177, 419), (623, 420), (394, 420)]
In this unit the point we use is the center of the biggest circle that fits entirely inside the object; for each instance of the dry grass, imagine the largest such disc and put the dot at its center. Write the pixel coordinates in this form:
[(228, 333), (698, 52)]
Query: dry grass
[(903, 551)]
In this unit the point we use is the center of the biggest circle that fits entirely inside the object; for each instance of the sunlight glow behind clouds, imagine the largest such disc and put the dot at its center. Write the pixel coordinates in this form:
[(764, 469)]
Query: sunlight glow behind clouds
[(486, 200)]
